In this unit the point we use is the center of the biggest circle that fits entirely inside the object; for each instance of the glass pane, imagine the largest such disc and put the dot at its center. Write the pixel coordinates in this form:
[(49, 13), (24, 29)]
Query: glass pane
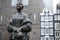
[(13, 2), (46, 24), (42, 24), (51, 18), (42, 38), (51, 31), (42, 31), (46, 18), (46, 31), (55, 17), (42, 18), (57, 26), (58, 17), (51, 24)]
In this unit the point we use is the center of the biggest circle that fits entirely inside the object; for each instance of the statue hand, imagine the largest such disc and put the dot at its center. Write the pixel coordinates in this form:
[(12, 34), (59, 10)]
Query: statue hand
[(20, 33)]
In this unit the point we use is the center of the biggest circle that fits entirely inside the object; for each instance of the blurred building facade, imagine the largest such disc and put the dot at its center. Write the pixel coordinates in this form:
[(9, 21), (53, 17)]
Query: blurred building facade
[(47, 27), (57, 22)]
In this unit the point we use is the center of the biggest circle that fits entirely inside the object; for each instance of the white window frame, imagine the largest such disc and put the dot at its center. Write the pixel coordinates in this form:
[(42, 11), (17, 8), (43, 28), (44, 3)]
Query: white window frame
[(51, 24), (46, 18), (57, 26), (50, 18), (42, 24), (55, 17), (42, 18), (46, 31), (58, 17), (57, 33), (51, 38), (46, 24), (42, 32), (51, 32), (46, 37)]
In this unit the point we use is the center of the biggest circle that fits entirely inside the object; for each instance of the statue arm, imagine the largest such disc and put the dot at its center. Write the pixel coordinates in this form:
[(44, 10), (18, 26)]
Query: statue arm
[(9, 26), (27, 25), (26, 28)]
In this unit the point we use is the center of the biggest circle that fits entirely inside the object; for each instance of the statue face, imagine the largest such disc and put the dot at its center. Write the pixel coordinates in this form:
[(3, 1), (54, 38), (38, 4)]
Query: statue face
[(19, 6)]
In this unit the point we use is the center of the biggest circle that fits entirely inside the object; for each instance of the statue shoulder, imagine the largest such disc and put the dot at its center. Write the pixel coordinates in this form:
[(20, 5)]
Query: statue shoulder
[(25, 15), (26, 19)]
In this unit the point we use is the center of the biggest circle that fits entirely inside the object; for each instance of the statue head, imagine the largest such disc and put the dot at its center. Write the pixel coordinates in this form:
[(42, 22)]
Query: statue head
[(19, 6)]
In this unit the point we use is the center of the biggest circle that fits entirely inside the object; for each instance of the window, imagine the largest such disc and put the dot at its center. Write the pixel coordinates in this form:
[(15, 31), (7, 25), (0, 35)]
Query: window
[(51, 31), (51, 24), (46, 24), (42, 18), (46, 31), (46, 37), (51, 38), (57, 26), (56, 39), (51, 18), (13, 2), (46, 18), (42, 38), (58, 17), (42, 31), (55, 17), (57, 33), (25, 2), (42, 24)]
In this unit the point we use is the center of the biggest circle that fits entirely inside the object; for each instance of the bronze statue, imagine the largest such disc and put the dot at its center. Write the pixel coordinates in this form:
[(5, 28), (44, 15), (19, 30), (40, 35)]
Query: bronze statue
[(20, 25)]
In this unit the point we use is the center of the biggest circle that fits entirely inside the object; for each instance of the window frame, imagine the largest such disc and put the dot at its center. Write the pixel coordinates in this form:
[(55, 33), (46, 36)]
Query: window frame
[(42, 18), (51, 31), (46, 32), (42, 31)]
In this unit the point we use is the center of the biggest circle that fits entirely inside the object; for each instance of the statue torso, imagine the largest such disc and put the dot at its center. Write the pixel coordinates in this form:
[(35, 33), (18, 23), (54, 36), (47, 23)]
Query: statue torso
[(17, 19)]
